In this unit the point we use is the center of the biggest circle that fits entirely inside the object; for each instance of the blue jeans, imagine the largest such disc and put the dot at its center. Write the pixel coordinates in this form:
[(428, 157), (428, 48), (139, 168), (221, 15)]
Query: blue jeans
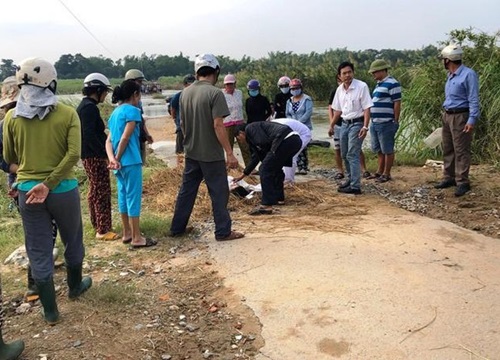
[(350, 148)]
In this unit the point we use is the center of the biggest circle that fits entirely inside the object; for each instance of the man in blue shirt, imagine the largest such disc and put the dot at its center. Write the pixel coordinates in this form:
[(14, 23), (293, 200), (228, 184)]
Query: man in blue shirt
[(461, 112), (176, 114)]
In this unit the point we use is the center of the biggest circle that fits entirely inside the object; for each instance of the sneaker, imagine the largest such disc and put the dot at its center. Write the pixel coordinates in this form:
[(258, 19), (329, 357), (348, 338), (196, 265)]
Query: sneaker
[(445, 184), (462, 189)]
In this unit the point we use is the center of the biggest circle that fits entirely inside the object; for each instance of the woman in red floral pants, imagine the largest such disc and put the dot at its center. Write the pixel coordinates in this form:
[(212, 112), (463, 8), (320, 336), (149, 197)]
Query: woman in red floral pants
[(94, 158)]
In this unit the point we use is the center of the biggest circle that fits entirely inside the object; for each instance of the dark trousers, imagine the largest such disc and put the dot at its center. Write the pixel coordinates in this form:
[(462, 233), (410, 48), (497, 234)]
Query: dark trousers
[(179, 142), (303, 161), (271, 170), (456, 148), (215, 176), (64, 208)]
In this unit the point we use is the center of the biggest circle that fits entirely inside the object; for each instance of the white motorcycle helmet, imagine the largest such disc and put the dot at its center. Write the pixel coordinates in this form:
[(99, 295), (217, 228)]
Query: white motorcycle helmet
[(284, 81), (97, 80), (205, 60), (37, 72), (452, 52)]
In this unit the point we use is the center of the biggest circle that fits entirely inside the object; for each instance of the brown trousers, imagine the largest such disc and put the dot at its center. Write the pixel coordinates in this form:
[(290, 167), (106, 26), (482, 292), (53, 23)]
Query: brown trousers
[(456, 148)]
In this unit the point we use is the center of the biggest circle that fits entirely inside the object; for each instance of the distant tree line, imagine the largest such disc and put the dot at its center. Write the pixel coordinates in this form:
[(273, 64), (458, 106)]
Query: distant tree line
[(306, 66)]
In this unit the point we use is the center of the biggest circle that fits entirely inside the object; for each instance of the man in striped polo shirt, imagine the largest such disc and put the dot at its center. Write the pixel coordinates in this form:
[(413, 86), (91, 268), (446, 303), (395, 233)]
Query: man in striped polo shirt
[(384, 118)]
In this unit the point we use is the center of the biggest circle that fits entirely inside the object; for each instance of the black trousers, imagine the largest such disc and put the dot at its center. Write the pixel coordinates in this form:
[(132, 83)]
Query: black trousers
[(271, 170), (215, 176)]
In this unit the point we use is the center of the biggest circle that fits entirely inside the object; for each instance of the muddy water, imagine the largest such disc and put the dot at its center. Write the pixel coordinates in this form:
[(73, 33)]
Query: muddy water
[(158, 107)]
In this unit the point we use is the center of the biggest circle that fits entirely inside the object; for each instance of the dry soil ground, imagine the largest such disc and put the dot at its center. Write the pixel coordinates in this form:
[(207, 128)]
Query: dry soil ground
[(171, 303)]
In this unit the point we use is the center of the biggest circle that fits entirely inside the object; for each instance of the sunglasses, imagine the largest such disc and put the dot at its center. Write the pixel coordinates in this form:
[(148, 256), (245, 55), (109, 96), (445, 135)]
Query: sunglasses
[(284, 86)]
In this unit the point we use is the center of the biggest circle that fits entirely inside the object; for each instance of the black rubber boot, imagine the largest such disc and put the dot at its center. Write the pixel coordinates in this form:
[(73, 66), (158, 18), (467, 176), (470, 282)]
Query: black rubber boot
[(47, 294), (32, 289), (76, 284), (12, 350)]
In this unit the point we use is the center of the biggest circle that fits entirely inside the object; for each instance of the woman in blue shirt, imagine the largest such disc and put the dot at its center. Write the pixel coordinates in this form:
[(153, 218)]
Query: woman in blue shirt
[(124, 154)]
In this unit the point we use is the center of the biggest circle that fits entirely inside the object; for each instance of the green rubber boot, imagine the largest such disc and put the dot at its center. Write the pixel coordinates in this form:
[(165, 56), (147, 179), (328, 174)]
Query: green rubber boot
[(12, 350), (47, 294), (32, 289), (76, 284)]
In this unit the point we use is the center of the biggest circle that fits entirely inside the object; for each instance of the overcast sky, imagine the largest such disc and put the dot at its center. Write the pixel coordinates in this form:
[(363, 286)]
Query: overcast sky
[(46, 28)]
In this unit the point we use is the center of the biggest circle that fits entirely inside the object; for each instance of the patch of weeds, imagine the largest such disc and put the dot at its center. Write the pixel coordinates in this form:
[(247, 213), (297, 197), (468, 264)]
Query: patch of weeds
[(154, 225), (112, 294)]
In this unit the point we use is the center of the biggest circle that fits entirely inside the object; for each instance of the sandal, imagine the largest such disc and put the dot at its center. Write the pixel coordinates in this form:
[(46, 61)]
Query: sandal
[(339, 176), (281, 202), (233, 235), (383, 178), (108, 236), (261, 211), (374, 176), (149, 242), (367, 174), (126, 241)]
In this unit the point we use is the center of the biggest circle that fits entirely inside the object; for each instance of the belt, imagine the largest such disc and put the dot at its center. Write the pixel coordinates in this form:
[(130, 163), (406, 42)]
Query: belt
[(456, 110), (353, 121)]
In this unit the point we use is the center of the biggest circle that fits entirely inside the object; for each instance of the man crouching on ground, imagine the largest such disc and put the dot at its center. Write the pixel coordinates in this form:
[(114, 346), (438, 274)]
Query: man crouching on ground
[(274, 145)]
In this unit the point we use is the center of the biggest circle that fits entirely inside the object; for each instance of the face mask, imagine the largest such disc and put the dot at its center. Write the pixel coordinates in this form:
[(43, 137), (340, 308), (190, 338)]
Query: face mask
[(285, 90), (296, 92), (253, 93)]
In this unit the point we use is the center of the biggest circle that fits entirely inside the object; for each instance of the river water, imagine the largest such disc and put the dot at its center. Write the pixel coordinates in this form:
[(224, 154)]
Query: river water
[(158, 107)]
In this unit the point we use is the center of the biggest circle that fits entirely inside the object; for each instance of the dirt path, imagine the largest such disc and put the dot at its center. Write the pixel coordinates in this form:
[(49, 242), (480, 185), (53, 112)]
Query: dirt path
[(373, 281)]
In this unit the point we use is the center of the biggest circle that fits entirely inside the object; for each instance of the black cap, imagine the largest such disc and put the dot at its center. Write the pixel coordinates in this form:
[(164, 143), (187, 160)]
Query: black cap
[(189, 79)]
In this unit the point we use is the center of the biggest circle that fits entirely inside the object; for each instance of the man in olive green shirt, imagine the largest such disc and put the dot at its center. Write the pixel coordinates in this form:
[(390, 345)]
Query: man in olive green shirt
[(203, 108), (43, 137)]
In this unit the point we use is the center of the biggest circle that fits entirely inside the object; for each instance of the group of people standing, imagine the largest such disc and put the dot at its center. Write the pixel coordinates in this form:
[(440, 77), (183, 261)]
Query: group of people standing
[(209, 120), (353, 112)]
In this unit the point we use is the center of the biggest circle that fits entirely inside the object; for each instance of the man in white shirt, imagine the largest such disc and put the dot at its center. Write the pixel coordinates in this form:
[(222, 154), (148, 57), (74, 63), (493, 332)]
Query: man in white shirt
[(352, 102)]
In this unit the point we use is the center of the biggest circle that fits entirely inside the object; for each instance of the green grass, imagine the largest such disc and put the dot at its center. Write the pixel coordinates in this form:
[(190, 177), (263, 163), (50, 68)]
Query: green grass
[(111, 293)]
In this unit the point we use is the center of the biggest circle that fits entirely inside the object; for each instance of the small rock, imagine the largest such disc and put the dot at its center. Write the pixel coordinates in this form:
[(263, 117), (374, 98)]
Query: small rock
[(166, 357), (173, 307), (138, 327), (141, 273), (182, 317), (23, 308), (238, 337), (77, 343), (124, 273), (157, 270), (192, 327), (36, 336)]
